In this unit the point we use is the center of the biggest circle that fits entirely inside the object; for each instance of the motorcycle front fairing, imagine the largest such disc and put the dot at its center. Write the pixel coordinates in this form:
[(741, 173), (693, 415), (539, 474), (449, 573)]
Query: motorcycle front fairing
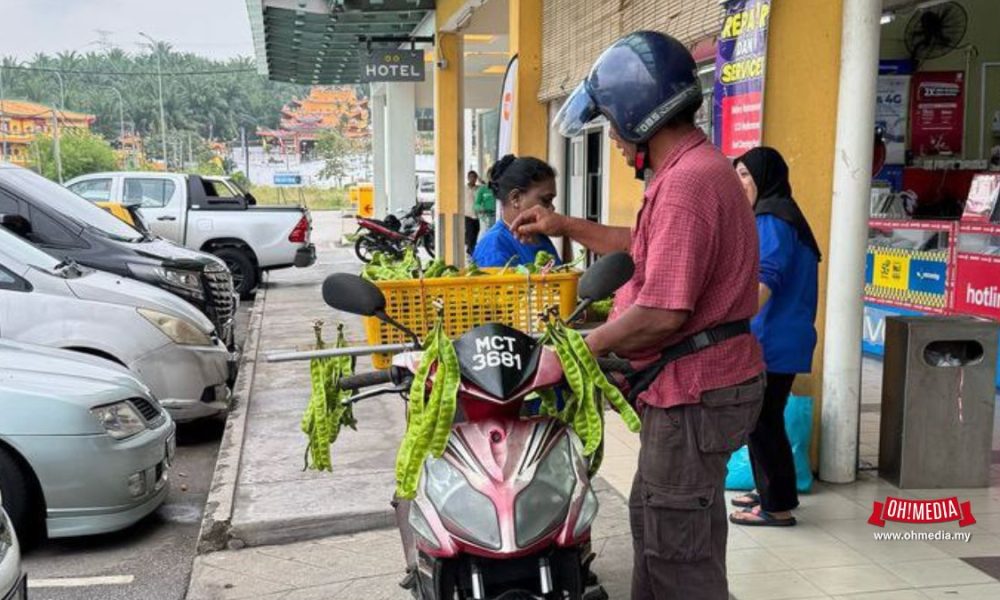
[(505, 486)]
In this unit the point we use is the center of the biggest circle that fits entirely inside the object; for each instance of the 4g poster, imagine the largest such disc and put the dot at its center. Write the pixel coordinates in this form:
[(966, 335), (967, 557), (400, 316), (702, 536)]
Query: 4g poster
[(937, 118), (737, 105)]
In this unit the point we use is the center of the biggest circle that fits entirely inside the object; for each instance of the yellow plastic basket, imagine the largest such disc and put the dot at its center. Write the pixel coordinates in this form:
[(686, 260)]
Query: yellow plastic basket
[(511, 299)]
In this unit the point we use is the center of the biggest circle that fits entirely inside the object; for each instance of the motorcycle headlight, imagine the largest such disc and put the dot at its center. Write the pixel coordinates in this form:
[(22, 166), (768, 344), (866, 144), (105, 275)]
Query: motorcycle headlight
[(179, 330), (119, 420), (587, 513), (188, 282), (465, 512), (543, 505), (419, 524)]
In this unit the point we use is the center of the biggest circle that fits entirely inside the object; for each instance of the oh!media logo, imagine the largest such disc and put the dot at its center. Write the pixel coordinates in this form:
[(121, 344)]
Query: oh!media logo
[(902, 510)]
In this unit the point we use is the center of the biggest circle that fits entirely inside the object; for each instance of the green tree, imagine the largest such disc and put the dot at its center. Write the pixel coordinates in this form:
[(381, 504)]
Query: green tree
[(333, 148), (82, 152)]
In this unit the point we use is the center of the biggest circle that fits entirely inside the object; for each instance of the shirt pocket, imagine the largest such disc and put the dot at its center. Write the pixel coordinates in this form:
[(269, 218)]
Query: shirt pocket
[(726, 416)]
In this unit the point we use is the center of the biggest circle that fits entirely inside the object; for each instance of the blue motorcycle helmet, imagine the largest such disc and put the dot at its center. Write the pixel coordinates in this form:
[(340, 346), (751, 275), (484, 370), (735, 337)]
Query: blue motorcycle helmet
[(639, 84)]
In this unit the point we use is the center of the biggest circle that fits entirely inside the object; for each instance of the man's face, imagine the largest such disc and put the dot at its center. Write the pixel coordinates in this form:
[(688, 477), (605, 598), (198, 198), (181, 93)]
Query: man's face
[(627, 149)]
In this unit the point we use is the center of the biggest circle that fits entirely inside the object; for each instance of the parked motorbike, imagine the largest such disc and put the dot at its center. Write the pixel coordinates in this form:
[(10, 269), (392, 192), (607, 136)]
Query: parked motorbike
[(393, 234), (506, 512)]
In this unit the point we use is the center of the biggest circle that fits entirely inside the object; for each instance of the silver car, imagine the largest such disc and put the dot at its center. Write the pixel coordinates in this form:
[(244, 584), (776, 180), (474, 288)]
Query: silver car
[(84, 447), (166, 342), (13, 584)]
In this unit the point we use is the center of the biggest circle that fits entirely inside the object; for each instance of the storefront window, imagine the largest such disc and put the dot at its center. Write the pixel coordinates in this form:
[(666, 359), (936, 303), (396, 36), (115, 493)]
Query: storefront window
[(706, 74)]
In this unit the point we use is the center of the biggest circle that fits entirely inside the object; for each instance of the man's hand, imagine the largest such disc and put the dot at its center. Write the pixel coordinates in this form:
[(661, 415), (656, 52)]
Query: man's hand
[(538, 220)]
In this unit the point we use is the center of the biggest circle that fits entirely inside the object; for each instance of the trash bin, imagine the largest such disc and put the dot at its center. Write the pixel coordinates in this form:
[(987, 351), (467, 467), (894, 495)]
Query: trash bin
[(938, 392)]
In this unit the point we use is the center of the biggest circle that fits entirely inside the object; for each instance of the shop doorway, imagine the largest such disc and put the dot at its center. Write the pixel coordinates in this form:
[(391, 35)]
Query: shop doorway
[(584, 183)]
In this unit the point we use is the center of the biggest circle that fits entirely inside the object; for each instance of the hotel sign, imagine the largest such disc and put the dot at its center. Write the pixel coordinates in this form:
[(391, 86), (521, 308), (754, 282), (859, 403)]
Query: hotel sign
[(393, 65)]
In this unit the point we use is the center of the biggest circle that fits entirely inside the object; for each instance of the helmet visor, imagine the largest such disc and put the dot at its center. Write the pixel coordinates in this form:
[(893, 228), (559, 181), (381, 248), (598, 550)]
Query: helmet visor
[(578, 110)]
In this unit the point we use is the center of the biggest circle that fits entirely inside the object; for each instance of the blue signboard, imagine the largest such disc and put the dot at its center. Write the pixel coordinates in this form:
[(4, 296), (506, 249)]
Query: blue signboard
[(873, 334), (286, 179), (927, 276)]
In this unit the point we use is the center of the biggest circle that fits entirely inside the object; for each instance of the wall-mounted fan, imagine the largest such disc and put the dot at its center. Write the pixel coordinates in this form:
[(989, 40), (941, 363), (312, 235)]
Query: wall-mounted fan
[(935, 31)]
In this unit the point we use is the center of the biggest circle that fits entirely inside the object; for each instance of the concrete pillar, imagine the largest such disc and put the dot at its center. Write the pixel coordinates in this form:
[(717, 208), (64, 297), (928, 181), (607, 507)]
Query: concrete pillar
[(400, 136), (378, 150), (848, 234), (530, 133), (448, 138)]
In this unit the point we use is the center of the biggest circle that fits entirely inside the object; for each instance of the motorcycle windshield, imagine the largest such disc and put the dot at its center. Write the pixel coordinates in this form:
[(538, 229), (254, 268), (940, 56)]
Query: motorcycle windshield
[(498, 359)]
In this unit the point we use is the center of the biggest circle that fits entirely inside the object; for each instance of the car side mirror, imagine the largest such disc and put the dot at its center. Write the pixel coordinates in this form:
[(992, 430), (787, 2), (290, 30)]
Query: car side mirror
[(16, 224)]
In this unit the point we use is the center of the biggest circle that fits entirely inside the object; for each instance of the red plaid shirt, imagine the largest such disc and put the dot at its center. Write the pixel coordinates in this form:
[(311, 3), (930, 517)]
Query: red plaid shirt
[(695, 250)]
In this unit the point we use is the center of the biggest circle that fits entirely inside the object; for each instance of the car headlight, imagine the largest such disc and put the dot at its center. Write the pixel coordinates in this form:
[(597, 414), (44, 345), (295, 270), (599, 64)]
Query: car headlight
[(177, 329), (120, 420), (181, 279), (465, 512), (543, 505)]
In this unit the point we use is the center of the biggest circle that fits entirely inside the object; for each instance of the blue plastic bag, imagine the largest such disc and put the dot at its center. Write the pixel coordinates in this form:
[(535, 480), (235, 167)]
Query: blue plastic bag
[(798, 424)]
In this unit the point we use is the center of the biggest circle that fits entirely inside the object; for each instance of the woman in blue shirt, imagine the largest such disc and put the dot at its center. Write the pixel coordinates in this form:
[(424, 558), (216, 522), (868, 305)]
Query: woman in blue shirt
[(518, 184), (784, 326)]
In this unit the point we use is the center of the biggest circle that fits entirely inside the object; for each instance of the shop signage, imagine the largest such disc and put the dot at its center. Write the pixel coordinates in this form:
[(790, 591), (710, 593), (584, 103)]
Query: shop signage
[(507, 91), (891, 271), (977, 285), (873, 334), (982, 200), (937, 113), (737, 104), (891, 111), (392, 65)]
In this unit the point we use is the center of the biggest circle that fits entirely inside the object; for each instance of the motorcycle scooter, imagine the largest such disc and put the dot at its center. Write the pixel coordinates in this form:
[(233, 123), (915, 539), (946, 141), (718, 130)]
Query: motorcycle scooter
[(505, 513), (393, 234)]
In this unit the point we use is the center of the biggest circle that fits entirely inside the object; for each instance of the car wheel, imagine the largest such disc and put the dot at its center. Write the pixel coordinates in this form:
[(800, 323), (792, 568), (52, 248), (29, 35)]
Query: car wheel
[(18, 493), (242, 269)]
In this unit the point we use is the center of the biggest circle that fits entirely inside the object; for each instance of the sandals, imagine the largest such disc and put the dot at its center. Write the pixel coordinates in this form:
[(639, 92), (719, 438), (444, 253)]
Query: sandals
[(754, 500), (762, 519)]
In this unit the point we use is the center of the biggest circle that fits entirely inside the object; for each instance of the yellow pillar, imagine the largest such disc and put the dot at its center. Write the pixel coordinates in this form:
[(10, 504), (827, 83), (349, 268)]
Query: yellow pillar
[(448, 124), (530, 131), (800, 120)]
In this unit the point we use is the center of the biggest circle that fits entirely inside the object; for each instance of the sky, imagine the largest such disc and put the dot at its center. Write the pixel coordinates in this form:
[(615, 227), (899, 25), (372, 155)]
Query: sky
[(213, 28)]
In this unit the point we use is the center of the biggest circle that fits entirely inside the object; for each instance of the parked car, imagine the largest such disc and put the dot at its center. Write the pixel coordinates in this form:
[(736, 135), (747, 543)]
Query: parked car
[(68, 227), (212, 214), (84, 446), (13, 583), (163, 340), (425, 190)]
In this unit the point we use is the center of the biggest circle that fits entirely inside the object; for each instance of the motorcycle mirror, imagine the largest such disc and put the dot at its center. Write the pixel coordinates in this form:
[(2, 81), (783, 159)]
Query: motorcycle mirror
[(605, 276), (352, 294)]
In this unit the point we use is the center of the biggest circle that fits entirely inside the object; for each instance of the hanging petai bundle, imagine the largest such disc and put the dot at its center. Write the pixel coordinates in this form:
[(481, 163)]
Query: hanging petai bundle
[(429, 417), (584, 407), (329, 407)]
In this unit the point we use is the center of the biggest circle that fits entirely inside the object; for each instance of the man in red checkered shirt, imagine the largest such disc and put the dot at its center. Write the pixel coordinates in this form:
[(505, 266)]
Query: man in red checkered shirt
[(695, 287)]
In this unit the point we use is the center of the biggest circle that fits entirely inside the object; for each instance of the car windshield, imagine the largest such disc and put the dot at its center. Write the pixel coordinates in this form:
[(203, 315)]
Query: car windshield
[(56, 198), (21, 251)]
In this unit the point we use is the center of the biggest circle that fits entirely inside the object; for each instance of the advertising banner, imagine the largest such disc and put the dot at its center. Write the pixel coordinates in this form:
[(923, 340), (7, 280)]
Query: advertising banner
[(873, 334), (505, 136), (891, 111), (737, 104), (977, 285), (937, 113)]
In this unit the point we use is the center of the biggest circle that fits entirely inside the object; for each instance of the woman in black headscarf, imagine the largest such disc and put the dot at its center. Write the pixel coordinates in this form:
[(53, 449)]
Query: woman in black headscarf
[(784, 325)]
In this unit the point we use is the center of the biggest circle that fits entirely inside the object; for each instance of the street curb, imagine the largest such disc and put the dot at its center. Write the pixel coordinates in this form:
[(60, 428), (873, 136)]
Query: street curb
[(216, 522), (301, 529)]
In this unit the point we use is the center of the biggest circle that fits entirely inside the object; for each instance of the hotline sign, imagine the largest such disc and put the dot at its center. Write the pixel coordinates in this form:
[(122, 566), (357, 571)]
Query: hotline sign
[(737, 106)]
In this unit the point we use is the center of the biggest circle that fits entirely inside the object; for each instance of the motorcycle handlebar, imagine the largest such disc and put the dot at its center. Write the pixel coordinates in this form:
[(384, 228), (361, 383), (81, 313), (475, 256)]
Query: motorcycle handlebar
[(363, 380), (614, 365)]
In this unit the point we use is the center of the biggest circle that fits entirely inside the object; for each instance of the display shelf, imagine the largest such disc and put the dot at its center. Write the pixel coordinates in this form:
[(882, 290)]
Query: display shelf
[(918, 224)]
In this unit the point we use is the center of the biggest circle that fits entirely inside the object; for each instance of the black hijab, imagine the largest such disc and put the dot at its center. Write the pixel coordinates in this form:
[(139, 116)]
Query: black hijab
[(774, 192)]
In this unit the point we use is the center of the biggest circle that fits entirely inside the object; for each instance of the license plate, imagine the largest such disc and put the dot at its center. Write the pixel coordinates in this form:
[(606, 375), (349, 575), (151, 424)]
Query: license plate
[(171, 448)]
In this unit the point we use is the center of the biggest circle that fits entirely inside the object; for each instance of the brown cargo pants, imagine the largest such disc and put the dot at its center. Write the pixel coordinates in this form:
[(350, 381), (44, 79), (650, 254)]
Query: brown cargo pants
[(677, 510)]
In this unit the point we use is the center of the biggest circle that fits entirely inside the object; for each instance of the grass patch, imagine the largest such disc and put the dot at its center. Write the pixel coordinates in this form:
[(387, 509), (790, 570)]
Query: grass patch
[(314, 198)]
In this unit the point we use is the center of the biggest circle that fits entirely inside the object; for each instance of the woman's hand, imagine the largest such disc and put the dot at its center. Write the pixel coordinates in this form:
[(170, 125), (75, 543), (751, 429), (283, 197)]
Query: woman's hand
[(538, 220)]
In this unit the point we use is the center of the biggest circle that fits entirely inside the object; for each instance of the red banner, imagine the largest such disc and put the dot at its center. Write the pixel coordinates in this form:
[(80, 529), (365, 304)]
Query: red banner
[(977, 285), (901, 510), (937, 112)]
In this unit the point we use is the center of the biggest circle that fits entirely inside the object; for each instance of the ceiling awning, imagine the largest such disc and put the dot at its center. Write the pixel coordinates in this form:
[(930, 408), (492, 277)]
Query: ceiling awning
[(319, 41)]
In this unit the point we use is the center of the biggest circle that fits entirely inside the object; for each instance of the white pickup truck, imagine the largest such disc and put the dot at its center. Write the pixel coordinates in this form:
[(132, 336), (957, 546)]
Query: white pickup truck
[(211, 214)]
